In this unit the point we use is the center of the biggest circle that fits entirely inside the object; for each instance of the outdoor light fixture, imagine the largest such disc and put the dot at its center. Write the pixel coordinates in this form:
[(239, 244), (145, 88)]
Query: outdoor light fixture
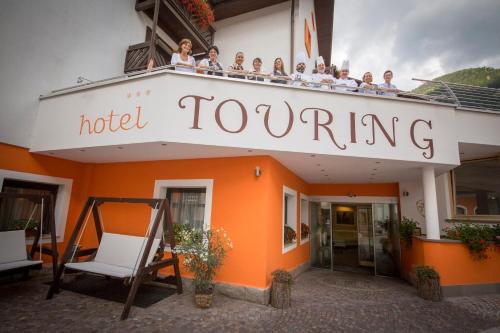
[(406, 193), (80, 79), (258, 171)]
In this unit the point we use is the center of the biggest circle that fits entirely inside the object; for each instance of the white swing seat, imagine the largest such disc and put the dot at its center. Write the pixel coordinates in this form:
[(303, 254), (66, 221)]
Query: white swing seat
[(117, 256), (13, 251)]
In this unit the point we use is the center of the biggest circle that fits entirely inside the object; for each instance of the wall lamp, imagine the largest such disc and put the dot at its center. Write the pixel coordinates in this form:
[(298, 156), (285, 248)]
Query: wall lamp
[(258, 171)]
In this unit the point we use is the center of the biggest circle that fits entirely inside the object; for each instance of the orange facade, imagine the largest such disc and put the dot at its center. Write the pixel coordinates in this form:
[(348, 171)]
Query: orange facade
[(248, 207), (453, 261)]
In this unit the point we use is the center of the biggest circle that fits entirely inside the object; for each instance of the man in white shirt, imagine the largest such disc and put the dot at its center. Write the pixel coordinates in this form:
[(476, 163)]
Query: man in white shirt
[(344, 79), (388, 89), (321, 79), (300, 79)]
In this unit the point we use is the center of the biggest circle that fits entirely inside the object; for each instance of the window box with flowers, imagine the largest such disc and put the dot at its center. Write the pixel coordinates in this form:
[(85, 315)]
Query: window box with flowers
[(200, 11)]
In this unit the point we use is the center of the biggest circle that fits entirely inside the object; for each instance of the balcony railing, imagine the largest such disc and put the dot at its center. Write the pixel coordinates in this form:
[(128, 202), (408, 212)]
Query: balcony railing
[(137, 56)]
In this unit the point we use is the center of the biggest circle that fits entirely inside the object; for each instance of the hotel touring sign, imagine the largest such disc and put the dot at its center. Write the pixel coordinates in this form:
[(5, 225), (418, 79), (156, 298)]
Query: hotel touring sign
[(189, 109)]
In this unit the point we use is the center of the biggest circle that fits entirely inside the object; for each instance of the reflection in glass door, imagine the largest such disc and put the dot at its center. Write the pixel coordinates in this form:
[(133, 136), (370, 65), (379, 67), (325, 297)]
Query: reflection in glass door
[(365, 236), (321, 237), (386, 239)]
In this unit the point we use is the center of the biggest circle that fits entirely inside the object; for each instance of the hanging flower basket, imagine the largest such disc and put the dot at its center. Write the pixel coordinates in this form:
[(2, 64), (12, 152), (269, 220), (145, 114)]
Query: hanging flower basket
[(201, 10)]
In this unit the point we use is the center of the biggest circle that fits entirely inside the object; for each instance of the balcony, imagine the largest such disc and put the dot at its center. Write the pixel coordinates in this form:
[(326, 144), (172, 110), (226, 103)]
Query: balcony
[(178, 23), (137, 56), (168, 114)]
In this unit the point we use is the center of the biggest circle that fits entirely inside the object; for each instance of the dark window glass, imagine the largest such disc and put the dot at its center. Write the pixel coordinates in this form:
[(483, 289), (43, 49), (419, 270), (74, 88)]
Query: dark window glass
[(477, 186)]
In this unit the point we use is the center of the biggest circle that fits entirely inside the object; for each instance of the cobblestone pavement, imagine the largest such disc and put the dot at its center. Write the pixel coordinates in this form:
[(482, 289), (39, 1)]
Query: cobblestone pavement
[(323, 301)]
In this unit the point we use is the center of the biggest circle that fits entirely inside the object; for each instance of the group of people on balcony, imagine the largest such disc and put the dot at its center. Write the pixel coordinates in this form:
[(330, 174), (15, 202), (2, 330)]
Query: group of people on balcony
[(321, 77)]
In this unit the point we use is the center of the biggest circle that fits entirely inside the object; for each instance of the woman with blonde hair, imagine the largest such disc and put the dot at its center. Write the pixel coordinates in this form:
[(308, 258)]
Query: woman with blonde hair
[(237, 67), (182, 59), (367, 86)]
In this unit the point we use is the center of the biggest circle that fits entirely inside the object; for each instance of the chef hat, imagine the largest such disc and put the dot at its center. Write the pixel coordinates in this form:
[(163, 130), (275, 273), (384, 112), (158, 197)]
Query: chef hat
[(300, 58), (345, 65), (320, 61)]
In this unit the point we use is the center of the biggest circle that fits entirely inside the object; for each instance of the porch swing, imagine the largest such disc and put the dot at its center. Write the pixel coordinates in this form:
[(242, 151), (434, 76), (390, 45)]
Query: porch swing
[(14, 257), (131, 258)]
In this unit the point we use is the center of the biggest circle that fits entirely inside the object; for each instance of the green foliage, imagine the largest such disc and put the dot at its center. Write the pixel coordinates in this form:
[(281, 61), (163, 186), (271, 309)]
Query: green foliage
[(203, 253), (21, 224), (481, 77), (283, 276), (426, 272), (406, 230), (477, 237)]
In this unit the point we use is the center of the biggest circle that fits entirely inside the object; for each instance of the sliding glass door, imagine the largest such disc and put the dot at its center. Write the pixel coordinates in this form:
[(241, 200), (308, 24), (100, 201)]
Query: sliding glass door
[(321, 235), (386, 239)]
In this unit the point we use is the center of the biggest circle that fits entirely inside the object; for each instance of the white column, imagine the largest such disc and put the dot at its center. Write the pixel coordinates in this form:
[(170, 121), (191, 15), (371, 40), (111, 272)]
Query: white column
[(430, 203)]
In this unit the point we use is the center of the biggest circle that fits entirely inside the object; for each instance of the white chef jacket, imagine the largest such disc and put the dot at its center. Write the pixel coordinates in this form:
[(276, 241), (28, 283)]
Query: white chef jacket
[(300, 79), (347, 83), (318, 77)]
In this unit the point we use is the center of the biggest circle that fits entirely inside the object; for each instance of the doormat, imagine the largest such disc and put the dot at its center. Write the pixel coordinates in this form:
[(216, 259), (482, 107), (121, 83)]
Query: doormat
[(114, 290)]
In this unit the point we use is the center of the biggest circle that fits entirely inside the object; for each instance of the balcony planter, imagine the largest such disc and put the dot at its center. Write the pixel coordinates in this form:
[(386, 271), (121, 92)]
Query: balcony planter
[(281, 289), (201, 11), (428, 284)]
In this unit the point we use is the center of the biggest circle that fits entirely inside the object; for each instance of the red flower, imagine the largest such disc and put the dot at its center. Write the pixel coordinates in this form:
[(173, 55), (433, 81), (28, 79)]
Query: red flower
[(482, 241)]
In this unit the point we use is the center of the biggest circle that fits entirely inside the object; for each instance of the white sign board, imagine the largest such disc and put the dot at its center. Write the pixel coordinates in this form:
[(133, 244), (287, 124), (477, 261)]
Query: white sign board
[(189, 108)]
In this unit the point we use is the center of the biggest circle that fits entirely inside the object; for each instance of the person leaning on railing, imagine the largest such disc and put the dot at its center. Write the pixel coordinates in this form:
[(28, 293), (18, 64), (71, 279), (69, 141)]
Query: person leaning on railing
[(388, 89), (257, 69), (367, 86), (344, 79), (300, 79), (237, 67), (182, 57), (320, 79), (212, 62), (279, 72)]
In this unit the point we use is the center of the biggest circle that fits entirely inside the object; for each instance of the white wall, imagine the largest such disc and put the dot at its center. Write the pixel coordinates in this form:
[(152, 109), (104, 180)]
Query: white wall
[(415, 193), (303, 11), (47, 44), (477, 127), (263, 33)]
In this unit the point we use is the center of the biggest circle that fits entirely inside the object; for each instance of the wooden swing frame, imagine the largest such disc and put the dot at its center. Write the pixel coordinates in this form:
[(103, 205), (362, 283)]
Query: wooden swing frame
[(144, 273), (48, 200)]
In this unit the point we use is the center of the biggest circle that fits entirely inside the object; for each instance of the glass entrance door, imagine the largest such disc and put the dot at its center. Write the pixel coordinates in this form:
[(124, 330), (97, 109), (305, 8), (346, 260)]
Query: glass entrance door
[(386, 239), (321, 237), (365, 236)]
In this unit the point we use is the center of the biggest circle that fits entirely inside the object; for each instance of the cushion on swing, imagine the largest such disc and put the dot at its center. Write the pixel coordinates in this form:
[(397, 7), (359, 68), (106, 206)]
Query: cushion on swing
[(117, 255), (19, 264), (13, 250), (12, 246)]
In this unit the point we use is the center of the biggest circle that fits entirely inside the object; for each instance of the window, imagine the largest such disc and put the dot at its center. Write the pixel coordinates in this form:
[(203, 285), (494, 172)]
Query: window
[(289, 225), (477, 188), (31, 183), (15, 211), (190, 200), (305, 229), (187, 205)]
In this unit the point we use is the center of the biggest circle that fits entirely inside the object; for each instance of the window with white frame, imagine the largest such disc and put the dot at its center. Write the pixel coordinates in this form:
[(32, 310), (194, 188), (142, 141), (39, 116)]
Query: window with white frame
[(190, 200), (305, 229), (289, 225), (29, 183), (477, 188)]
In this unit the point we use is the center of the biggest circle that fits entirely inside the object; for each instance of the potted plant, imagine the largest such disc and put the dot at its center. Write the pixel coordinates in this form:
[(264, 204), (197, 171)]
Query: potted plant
[(289, 235), (30, 226), (281, 289), (407, 229), (203, 253), (304, 231), (428, 284), (478, 238)]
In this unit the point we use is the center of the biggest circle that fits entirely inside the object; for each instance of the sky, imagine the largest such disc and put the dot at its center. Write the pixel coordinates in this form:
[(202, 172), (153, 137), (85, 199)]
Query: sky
[(415, 38)]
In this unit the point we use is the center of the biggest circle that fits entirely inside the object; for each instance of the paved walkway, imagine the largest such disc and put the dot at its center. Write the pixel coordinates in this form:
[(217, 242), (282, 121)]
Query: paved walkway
[(322, 302)]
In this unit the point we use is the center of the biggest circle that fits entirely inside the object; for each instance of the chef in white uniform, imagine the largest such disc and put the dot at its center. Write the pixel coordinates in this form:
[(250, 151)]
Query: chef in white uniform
[(344, 79), (321, 79), (300, 79)]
